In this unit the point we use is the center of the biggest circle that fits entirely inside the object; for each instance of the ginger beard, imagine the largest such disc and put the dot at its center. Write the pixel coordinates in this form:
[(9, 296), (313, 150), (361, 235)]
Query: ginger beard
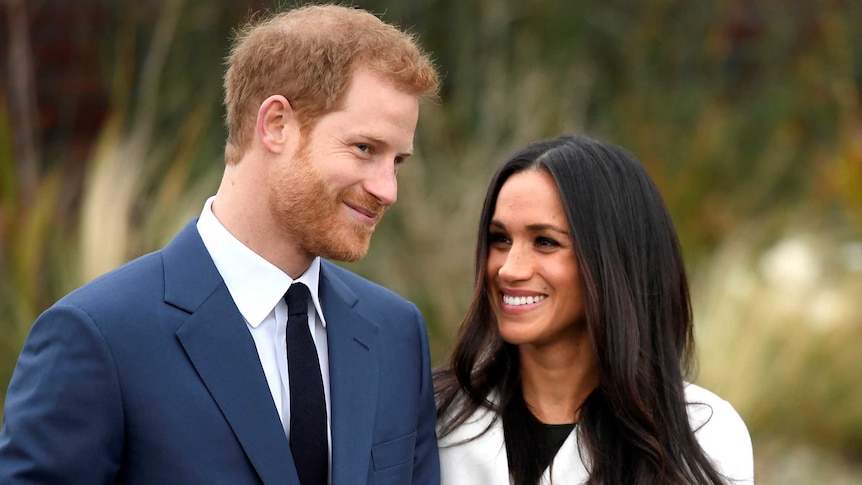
[(313, 214)]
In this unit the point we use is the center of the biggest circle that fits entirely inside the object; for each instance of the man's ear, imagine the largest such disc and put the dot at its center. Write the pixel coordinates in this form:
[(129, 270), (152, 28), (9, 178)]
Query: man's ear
[(274, 120)]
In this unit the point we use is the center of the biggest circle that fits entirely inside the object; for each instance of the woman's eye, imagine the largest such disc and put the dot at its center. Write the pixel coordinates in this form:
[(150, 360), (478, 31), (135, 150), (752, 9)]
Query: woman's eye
[(546, 242), (497, 238)]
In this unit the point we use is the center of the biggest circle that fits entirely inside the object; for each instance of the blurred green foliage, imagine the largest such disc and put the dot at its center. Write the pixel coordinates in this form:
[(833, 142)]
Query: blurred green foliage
[(747, 113)]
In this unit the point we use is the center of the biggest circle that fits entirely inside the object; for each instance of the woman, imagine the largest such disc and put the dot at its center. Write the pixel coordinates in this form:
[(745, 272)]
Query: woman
[(569, 364)]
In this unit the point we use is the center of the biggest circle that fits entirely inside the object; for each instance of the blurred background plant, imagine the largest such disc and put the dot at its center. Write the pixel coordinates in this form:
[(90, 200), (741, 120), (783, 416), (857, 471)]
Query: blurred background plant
[(746, 112)]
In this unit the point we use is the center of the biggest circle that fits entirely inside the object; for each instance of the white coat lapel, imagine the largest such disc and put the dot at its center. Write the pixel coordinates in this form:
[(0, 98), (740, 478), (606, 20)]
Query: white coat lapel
[(481, 461), (567, 466)]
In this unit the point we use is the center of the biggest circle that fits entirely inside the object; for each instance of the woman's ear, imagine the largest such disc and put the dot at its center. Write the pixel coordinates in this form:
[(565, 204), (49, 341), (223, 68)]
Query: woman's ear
[(274, 120)]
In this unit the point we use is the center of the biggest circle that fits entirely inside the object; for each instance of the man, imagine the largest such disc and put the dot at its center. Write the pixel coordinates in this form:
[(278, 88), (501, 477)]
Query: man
[(179, 367)]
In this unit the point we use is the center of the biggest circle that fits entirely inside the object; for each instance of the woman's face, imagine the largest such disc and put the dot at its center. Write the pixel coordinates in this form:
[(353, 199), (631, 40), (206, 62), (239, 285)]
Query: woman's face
[(532, 273)]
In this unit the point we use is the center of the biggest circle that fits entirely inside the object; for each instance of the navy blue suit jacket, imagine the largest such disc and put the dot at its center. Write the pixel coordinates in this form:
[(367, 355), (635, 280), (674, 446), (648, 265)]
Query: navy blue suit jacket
[(149, 375)]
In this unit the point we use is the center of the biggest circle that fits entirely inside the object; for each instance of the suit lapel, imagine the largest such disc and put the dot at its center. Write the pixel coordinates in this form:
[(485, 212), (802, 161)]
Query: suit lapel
[(353, 374), (223, 352)]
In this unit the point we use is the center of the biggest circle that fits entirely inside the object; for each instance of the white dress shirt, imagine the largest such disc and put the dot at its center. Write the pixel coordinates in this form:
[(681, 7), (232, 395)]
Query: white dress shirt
[(258, 288)]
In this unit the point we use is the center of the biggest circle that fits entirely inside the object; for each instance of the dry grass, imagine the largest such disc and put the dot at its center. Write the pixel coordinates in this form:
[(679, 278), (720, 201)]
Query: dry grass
[(779, 330)]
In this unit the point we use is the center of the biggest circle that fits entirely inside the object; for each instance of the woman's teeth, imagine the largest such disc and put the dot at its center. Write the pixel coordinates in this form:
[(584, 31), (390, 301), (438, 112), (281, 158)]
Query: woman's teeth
[(522, 300)]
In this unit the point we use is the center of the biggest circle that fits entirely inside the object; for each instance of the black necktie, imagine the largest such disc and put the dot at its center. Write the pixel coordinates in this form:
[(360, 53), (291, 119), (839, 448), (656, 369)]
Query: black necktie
[(308, 442)]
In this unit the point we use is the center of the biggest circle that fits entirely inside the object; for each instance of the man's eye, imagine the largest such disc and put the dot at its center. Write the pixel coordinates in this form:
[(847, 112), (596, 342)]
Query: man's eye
[(363, 147)]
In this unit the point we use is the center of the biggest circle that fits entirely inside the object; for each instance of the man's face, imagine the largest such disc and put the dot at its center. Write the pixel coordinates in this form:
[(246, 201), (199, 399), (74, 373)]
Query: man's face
[(331, 192)]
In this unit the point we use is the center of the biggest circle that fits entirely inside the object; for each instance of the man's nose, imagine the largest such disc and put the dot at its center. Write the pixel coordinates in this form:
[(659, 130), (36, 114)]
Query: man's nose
[(382, 184)]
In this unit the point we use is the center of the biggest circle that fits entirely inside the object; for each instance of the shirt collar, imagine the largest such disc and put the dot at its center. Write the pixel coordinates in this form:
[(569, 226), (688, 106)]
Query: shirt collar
[(255, 284)]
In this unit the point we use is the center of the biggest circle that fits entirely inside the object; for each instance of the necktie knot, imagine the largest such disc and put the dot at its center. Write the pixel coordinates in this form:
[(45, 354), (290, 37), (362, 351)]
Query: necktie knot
[(297, 299)]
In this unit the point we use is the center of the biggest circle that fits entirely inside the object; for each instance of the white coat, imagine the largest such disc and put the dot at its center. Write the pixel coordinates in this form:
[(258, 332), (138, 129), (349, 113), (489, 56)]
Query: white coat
[(718, 428)]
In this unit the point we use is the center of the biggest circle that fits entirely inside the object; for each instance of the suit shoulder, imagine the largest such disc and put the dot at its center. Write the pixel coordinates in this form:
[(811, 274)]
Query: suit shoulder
[(364, 288), (132, 281)]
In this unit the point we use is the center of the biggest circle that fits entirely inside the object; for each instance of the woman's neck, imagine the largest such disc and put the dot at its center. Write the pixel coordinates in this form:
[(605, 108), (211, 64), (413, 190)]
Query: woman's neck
[(555, 382)]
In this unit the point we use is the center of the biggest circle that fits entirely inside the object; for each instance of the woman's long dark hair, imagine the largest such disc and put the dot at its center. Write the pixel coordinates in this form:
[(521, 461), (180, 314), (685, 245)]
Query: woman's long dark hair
[(633, 427)]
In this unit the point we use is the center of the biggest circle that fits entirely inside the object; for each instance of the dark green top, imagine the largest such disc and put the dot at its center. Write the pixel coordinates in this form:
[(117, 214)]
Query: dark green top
[(531, 445), (554, 436)]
